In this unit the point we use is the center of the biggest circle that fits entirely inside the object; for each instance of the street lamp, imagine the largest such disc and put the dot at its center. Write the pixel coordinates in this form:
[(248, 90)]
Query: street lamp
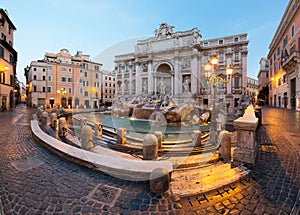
[(62, 92), (214, 80)]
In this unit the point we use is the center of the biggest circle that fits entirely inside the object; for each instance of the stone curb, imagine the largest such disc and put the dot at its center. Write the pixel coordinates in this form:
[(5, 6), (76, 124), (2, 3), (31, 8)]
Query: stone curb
[(118, 167)]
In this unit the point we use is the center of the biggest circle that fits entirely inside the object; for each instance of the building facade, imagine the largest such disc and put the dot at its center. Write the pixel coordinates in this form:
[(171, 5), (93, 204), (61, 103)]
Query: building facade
[(263, 80), (175, 60), (284, 59), (64, 80), (252, 88), (8, 62), (108, 88)]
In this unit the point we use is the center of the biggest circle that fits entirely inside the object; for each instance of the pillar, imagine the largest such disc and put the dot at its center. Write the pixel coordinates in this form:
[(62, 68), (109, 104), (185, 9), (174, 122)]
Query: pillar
[(197, 138), (121, 136), (86, 138), (53, 118), (150, 147), (44, 118), (62, 127), (225, 145), (158, 135), (159, 180)]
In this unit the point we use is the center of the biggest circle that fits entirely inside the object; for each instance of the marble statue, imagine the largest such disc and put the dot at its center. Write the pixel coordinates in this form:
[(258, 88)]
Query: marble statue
[(162, 86)]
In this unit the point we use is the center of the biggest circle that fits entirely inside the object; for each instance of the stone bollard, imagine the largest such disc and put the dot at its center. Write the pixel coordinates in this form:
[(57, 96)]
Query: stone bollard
[(159, 180), (225, 145), (87, 137), (150, 147), (98, 129), (158, 135), (246, 148), (121, 136), (62, 127), (197, 138), (44, 118), (53, 117), (83, 122)]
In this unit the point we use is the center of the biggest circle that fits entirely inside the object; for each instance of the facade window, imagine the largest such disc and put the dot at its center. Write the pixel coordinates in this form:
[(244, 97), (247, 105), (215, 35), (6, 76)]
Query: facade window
[(49, 67), (86, 93), (85, 66), (236, 39), (237, 82), (63, 69), (278, 50), (1, 52), (279, 82), (134, 67), (81, 90), (34, 77), (81, 71), (3, 36), (80, 80), (279, 65), (34, 69), (236, 56), (34, 88), (96, 75), (285, 41), (10, 43), (85, 74), (266, 64), (271, 61), (11, 59), (274, 56), (44, 89), (63, 78), (126, 68), (205, 44), (44, 77), (221, 57), (96, 68), (70, 79), (70, 90), (284, 79), (49, 89), (298, 43), (293, 31), (292, 49), (221, 42), (50, 78), (267, 75), (70, 69)]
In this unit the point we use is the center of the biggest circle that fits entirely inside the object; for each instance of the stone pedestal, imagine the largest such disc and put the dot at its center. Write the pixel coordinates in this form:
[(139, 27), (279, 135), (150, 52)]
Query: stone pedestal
[(197, 138), (62, 127), (83, 122), (245, 126), (53, 118), (87, 137), (225, 145), (159, 181), (98, 129), (121, 136), (158, 135), (150, 147), (44, 118)]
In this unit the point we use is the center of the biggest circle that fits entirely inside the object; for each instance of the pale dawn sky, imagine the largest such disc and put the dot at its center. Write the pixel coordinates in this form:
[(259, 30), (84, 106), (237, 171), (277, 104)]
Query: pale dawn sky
[(92, 26)]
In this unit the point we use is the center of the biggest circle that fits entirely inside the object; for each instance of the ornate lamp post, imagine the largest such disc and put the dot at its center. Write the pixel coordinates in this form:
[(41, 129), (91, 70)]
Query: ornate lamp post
[(214, 80)]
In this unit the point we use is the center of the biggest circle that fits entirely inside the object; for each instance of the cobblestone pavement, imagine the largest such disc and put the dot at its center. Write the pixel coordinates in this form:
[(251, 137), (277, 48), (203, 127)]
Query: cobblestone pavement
[(35, 181)]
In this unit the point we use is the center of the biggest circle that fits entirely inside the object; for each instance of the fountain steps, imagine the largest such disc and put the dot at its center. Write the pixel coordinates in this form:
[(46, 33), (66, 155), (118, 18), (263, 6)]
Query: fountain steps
[(204, 179)]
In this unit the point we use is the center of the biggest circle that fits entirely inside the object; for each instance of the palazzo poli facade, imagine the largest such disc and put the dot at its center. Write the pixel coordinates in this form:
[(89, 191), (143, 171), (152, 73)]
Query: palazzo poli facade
[(171, 63)]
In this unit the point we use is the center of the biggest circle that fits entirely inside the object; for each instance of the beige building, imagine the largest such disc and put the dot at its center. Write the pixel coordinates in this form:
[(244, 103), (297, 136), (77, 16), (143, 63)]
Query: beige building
[(175, 60), (8, 62), (252, 88), (64, 80), (284, 59), (108, 87), (263, 80)]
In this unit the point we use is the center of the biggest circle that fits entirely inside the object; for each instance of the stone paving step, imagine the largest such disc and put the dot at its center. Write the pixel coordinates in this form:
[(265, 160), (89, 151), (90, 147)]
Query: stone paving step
[(202, 180)]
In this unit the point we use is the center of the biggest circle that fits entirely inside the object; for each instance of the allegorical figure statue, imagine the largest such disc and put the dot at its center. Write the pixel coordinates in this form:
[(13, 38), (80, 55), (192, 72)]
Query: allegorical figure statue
[(162, 86), (186, 86), (145, 87)]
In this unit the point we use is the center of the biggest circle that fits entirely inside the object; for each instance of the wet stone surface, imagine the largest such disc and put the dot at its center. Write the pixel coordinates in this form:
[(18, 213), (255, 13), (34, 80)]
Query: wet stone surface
[(35, 181)]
